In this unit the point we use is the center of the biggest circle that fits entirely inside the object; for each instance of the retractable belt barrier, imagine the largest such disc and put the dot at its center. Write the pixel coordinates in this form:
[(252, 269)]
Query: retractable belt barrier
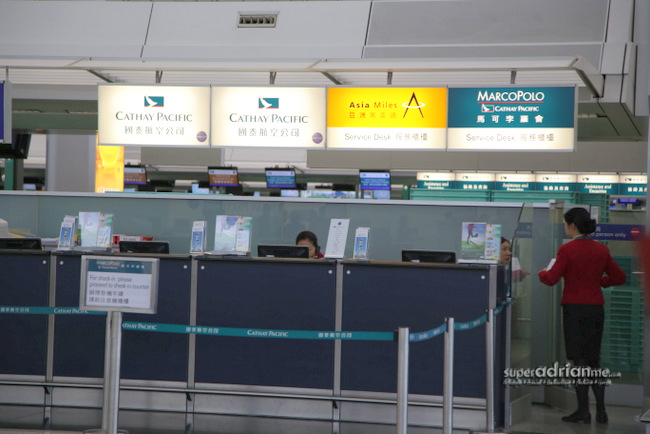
[(254, 333)]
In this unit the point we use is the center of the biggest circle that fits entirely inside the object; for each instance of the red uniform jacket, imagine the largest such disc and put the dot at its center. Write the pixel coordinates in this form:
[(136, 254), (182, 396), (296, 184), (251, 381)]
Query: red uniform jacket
[(582, 263)]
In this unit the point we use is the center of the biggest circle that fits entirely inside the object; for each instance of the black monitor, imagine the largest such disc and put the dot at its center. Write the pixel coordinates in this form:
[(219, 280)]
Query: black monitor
[(280, 178), (282, 251), (135, 175), (18, 148), (21, 243), (374, 179), (144, 246), (447, 257), (223, 177)]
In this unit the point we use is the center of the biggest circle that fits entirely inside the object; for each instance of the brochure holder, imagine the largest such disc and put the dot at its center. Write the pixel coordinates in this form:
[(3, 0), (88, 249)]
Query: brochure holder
[(232, 235)]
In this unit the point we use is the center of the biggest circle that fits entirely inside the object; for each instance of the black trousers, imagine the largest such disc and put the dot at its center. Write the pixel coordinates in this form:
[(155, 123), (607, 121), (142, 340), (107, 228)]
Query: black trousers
[(583, 333)]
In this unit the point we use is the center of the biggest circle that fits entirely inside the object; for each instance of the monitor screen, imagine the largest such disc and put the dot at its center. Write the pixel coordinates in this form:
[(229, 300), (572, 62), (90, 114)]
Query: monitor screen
[(374, 180), (223, 177), (18, 148), (21, 243), (135, 175), (280, 178), (282, 251), (144, 246), (448, 257)]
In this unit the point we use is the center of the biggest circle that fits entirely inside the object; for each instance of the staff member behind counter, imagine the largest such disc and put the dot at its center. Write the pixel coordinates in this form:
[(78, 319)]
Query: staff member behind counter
[(309, 239)]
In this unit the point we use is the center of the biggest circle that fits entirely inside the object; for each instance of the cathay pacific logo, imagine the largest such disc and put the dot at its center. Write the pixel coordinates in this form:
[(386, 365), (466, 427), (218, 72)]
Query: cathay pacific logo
[(268, 103), (154, 101)]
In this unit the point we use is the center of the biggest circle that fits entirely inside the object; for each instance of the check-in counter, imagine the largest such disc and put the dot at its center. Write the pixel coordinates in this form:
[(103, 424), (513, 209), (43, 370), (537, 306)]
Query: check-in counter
[(258, 374)]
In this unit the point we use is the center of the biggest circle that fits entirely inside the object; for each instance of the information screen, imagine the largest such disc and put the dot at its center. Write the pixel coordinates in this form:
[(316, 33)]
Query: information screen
[(223, 177), (135, 176), (280, 178), (374, 180)]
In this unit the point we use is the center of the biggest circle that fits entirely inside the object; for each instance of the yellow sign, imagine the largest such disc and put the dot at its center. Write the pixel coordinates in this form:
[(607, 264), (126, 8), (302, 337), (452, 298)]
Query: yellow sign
[(109, 169), (387, 118)]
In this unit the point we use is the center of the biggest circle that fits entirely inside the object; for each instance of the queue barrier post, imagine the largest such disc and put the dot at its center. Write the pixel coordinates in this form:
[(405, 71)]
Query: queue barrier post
[(489, 358), (402, 379), (448, 380)]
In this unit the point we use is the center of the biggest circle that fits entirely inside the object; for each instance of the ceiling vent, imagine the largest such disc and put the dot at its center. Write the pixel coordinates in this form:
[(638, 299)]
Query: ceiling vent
[(257, 21)]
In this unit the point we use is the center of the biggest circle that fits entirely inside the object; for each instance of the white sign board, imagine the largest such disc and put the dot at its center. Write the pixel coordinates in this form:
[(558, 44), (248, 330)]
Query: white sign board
[(154, 115), (287, 117), (119, 284)]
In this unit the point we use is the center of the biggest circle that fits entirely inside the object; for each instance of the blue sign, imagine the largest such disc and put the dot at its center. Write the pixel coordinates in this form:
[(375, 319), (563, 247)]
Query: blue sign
[(607, 232)]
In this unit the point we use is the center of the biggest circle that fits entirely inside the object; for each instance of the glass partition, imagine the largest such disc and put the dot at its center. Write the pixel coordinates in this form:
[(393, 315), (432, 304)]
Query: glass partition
[(395, 225)]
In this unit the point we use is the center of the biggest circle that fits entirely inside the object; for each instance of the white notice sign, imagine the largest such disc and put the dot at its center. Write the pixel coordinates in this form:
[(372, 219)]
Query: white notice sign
[(119, 284), (336, 238)]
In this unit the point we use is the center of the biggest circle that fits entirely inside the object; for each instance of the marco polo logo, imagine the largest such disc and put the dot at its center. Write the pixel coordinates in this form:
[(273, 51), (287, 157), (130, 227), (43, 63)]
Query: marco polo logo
[(516, 96), (154, 101)]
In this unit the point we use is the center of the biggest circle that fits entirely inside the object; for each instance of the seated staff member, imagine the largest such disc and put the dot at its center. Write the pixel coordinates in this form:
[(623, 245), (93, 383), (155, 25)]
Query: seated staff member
[(518, 273), (309, 239)]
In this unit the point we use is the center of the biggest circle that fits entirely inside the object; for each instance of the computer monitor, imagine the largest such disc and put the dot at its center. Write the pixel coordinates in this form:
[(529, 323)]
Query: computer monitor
[(374, 180), (144, 246), (19, 146), (21, 243), (223, 176), (135, 175), (447, 257), (280, 178), (282, 251)]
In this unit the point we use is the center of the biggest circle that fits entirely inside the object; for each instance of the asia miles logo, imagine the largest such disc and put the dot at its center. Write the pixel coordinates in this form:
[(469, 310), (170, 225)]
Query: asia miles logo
[(154, 101), (413, 104), (268, 103)]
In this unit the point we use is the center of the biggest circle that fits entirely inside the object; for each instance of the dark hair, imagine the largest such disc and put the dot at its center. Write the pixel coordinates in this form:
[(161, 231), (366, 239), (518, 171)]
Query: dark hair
[(505, 240), (309, 236), (581, 218)]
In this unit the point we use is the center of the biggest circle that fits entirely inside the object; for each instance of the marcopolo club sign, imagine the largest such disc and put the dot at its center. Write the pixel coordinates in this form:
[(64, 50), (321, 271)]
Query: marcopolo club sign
[(154, 115), (290, 117), (512, 119), (386, 118)]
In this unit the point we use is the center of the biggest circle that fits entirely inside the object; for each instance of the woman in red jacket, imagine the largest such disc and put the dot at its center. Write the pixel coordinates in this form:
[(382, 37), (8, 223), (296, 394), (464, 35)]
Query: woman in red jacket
[(586, 266)]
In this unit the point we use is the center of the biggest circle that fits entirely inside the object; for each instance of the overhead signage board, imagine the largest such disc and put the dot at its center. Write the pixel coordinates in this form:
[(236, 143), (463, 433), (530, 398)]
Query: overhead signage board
[(436, 180), (512, 119), (164, 116), (386, 118), (5, 112), (598, 184), (515, 181), (268, 117), (633, 185), (475, 181), (560, 182), (122, 284)]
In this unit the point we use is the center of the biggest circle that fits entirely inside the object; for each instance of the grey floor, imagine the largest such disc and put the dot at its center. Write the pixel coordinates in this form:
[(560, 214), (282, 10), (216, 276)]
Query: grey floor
[(622, 420)]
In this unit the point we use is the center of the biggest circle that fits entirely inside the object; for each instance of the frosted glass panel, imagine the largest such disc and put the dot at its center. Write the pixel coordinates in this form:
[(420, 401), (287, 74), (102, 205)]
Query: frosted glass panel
[(395, 225)]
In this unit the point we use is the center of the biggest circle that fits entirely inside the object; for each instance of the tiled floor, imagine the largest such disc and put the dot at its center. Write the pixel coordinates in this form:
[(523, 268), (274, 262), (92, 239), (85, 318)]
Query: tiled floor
[(543, 420)]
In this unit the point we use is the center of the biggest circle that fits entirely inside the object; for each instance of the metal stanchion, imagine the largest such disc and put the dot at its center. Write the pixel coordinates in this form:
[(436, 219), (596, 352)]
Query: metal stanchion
[(112, 353), (489, 356), (402, 379), (448, 380)]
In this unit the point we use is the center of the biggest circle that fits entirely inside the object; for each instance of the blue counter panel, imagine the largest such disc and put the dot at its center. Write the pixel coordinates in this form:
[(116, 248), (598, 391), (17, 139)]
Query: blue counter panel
[(24, 281), (161, 356), (380, 297), (288, 295), (78, 339)]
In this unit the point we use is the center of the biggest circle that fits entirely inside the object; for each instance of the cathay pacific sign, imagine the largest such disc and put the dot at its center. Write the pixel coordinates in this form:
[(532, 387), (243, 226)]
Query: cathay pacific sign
[(154, 115), (287, 117), (512, 119)]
